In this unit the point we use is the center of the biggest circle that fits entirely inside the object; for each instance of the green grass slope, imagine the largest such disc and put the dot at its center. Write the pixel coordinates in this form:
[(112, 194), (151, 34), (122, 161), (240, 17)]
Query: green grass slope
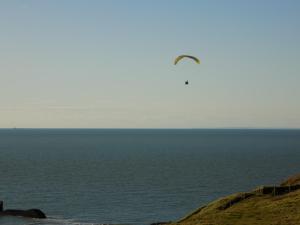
[(263, 206)]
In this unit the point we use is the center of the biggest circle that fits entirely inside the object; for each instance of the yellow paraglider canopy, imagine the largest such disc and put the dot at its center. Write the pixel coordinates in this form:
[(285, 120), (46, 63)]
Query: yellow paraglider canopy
[(186, 56)]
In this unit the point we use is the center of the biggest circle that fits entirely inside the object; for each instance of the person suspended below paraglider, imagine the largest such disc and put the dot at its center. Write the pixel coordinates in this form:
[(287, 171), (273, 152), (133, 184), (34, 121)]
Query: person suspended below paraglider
[(178, 58)]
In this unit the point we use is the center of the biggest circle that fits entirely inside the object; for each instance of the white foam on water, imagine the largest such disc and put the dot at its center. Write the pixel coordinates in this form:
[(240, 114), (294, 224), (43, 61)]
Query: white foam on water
[(57, 221)]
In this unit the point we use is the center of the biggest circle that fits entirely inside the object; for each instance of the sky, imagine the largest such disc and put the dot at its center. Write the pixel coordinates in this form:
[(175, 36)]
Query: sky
[(109, 64)]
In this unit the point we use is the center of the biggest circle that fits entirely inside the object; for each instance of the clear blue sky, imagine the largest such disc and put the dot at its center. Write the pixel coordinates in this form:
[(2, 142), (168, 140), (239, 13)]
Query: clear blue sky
[(109, 64)]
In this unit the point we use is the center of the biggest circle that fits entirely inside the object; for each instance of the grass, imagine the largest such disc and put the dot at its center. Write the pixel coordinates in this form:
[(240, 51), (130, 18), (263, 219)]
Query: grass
[(248, 209)]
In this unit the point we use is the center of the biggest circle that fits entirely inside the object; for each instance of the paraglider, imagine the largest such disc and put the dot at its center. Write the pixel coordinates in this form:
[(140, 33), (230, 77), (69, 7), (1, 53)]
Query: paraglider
[(186, 56)]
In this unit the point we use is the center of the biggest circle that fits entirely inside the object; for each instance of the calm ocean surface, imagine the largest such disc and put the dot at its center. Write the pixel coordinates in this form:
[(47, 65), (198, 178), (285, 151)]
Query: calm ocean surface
[(112, 176)]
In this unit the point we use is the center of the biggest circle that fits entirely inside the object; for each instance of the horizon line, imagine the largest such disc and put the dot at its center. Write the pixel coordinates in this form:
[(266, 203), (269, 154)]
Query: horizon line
[(149, 128)]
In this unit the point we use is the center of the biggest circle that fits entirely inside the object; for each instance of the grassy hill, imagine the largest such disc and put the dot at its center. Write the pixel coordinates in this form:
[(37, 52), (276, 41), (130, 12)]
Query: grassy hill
[(275, 205)]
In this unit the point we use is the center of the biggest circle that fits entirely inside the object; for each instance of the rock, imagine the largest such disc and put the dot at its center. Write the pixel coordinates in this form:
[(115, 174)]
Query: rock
[(31, 213), (160, 223), (293, 180)]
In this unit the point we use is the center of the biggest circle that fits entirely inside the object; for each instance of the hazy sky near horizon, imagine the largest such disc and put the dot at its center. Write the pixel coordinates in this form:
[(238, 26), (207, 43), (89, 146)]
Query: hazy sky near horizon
[(109, 64)]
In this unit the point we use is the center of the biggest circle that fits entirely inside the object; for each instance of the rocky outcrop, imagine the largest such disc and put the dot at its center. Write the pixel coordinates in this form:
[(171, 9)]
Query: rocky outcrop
[(30, 213), (160, 223), (293, 180)]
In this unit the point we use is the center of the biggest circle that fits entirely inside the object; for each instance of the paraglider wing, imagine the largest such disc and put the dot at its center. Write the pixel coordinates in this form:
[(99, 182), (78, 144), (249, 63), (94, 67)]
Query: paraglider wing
[(186, 56)]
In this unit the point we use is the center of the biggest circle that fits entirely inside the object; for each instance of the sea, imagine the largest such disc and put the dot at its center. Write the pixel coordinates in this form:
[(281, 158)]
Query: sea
[(136, 176)]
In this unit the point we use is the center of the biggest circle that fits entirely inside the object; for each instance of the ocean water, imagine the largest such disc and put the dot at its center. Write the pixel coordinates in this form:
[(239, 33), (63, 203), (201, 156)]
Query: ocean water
[(132, 176)]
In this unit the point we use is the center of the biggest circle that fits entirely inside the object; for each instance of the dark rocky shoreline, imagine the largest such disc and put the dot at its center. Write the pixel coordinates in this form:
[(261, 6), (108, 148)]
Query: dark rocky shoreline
[(30, 213)]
